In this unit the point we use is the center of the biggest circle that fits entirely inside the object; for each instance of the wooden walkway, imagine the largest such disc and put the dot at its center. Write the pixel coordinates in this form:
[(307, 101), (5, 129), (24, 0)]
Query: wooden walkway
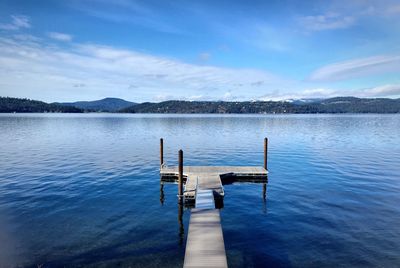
[(205, 243)]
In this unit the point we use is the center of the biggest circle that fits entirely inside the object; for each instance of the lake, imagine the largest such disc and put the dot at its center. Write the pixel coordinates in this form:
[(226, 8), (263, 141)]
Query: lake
[(84, 189)]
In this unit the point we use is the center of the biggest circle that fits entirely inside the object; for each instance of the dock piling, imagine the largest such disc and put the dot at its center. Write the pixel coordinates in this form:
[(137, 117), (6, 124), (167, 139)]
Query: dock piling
[(265, 153), (180, 176), (161, 151)]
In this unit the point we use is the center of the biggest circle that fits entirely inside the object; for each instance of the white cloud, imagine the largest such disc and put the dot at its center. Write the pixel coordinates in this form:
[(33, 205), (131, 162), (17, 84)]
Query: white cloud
[(328, 21), (343, 14), (392, 91), (26, 38), (164, 97), (229, 96), (49, 72), (17, 22), (384, 91), (29, 67), (382, 8), (357, 67), (302, 94), (60, 36)]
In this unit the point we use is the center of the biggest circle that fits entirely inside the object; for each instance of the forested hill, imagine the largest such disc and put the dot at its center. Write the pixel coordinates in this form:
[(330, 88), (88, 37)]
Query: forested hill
[(332, 105), (15, 105), (103, 105)]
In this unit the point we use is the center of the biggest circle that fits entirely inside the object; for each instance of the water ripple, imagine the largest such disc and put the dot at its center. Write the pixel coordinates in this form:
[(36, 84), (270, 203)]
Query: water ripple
[(83, 190)]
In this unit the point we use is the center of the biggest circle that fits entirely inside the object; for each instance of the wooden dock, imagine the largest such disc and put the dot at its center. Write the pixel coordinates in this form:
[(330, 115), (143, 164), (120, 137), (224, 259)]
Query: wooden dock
[(202, 185), (212, 177)]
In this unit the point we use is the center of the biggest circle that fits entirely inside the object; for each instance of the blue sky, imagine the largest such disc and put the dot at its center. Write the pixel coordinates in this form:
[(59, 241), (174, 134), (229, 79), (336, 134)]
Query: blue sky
[(199, 50)]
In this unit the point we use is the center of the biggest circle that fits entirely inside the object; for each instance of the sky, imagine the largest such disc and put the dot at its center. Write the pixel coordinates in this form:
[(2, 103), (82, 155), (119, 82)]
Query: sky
[(199, 50)]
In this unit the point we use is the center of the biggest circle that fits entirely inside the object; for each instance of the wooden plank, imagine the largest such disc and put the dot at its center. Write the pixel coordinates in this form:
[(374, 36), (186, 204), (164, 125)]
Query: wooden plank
[(205, 243)]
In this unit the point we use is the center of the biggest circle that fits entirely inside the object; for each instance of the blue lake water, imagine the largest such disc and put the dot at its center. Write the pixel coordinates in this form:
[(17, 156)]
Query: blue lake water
[(84, 190)]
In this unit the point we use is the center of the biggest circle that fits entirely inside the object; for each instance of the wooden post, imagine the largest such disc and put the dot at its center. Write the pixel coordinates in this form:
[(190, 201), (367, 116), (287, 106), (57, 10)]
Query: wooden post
[(265, 153), (180, 178), (161, 152)]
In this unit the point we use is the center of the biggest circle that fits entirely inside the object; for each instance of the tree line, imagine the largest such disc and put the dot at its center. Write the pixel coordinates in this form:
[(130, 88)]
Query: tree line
[(332, 105)]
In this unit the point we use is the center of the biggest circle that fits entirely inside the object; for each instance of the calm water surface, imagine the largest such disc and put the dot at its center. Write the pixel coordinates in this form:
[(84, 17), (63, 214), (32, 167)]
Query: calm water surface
[(84, 190)]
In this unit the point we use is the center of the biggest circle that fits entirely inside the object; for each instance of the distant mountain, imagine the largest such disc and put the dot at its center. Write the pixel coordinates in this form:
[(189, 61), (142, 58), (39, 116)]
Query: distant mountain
[(15, 105), (332, 105), (219, 107), (104, 105)]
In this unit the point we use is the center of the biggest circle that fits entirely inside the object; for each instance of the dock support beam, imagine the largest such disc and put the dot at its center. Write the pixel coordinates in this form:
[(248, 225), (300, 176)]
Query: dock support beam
[(161, 151), (180, 177), (265, 153)]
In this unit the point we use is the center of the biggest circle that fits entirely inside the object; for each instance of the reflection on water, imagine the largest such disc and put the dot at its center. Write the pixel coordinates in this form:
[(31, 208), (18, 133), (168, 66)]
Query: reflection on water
[(161, 193), (181, 206), (84, 190), (181, 226), (264, 198), (264, 192)]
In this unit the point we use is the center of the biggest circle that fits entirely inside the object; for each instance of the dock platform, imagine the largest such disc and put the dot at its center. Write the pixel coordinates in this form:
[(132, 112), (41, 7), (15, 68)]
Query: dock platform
[(212, 177)]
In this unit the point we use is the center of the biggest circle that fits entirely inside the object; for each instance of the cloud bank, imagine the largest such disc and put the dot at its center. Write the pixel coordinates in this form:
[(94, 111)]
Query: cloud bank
[(357, 67), (28, 67)]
